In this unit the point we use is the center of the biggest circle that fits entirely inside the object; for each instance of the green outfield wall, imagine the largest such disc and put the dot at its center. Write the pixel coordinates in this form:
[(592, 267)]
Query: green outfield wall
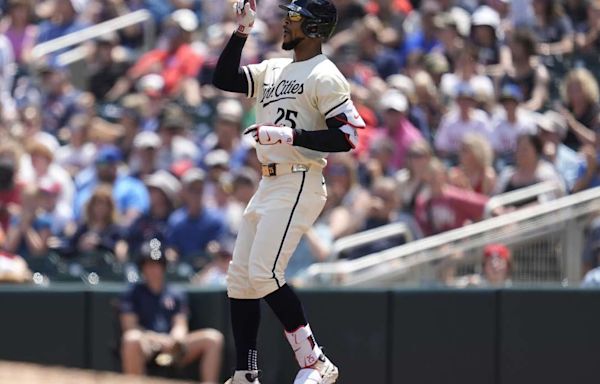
[(413, 336)]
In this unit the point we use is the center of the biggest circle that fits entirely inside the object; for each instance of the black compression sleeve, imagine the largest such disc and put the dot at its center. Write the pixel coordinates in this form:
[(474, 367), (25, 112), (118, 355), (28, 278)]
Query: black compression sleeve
[(330, 140), (228, 75)]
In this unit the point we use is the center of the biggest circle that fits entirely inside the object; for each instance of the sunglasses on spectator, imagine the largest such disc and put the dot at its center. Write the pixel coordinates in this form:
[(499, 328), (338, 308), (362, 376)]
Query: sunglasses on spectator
[(294, 16)]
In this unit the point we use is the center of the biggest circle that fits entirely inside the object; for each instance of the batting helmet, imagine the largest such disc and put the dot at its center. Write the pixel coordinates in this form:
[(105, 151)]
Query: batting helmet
[(319, 16)]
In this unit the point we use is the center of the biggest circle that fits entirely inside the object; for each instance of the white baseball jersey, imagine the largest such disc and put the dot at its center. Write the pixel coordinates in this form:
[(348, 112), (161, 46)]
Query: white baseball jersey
[(298, 95)]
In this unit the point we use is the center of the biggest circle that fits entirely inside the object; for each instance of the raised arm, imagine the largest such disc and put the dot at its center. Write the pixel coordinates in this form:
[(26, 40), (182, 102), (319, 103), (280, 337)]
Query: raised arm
[(228, 75)]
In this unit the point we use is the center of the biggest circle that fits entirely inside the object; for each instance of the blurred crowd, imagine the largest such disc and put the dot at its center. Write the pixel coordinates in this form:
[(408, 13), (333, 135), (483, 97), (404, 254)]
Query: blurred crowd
[(107, 146)]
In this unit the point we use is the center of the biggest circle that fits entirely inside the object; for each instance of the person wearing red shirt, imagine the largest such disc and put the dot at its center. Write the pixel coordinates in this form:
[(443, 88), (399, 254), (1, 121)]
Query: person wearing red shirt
[(175, 60), (442, 207)]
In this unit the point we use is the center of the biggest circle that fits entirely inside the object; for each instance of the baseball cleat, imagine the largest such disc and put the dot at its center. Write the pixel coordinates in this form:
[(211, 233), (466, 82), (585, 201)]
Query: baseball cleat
[(244, 377), (321, 372)]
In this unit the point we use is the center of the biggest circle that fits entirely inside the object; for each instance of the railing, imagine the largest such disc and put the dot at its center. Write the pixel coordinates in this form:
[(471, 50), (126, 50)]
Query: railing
[(118, 23), (546, 240), (367, 237), (541, 192)]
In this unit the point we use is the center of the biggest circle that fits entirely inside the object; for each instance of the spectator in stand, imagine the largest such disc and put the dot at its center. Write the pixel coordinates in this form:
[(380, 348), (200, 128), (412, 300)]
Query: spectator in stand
[(587, 38), (509, 122), (18, 27), (173, 132), (412, 179), (372, 51), (164, 190), (130, 194), (63, 224), (215, 272), (442, 206), (176, 61), (485, 22), (449, 35), (474, 171), (396, 127), (59, 96), (497, 265), (99, 231), (10, 187), (427, 100), (193, 226), (581, 107), (587, 173), (526, 71), (106, 65), (144, 160), (154, 320), (8, 70), (466, 70), (552, 29), (78, 153), (530, 168), (30, 229), (350, 201), (459, 121), (39, 163), (553, 130), (424, 39), (226, 132), (496, 269), (63, 20)]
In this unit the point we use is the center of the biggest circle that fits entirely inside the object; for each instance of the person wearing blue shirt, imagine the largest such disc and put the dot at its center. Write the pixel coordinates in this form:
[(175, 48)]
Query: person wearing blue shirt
[(130, 194), (63, 21), (193, 226), (154, 320)]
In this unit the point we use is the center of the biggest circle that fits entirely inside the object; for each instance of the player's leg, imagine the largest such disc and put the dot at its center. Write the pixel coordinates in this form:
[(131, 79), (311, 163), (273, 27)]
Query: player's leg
[(244, 304), (205, 345), (134, 352), (279, 231)]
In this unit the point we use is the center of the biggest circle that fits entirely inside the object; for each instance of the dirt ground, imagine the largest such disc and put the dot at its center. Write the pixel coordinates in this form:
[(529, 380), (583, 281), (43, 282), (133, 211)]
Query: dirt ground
[(23, 373)]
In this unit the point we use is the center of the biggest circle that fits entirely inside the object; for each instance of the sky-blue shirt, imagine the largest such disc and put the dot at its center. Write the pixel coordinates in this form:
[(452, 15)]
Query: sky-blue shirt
[(128, 193)]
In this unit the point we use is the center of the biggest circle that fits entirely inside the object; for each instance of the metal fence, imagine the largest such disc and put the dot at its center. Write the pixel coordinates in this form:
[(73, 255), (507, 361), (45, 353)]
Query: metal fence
[(546, 241)]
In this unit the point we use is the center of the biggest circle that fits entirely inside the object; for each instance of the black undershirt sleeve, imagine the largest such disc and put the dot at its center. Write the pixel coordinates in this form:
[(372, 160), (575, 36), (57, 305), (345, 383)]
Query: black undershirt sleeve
[(330, 140), (228, 75)]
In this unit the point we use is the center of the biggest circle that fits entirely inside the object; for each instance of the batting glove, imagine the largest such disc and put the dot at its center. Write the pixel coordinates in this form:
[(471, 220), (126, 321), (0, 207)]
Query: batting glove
[(271, 134), (246, 13)]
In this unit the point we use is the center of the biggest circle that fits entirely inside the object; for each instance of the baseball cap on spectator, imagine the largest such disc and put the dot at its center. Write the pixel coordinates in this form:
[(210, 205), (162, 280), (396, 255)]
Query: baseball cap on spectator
[(49, 185), (193, 175), (185, 19), (511, 92), (554, 122), (217, 157), (48, 140), (401, 83), (485, 16), (151, 84), (465, 90), (496, 250), (230, 110), (78, 5), (436, 63), (394, 100), (146, 139), (109, 154), (166, 183)]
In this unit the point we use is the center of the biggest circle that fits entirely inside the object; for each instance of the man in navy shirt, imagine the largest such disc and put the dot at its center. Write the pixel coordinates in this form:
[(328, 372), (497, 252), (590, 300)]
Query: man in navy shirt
[(154, 319), (194, 225)]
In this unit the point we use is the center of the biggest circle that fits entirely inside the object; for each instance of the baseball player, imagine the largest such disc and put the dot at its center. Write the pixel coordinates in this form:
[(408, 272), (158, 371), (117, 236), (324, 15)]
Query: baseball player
[(303, 112)]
